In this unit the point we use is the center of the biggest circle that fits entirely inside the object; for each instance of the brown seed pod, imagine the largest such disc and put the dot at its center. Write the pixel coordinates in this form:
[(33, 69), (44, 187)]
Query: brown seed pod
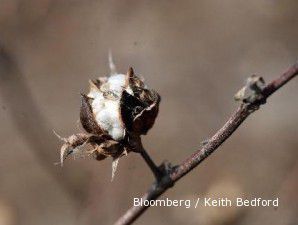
[(117, 109)]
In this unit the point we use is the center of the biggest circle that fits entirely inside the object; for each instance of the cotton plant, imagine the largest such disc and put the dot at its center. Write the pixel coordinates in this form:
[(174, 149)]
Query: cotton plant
[(116, 111)]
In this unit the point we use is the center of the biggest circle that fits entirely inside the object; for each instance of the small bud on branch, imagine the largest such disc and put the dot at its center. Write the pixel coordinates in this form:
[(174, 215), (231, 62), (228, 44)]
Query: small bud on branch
[(120, 108), (258, 97)]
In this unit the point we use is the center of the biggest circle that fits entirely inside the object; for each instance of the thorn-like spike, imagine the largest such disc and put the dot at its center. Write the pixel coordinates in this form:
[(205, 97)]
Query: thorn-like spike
[(64, 152), (130, 72), (112, 66), (83, 95), (58, 136), (114, 167), (91, 82), (93, 87)]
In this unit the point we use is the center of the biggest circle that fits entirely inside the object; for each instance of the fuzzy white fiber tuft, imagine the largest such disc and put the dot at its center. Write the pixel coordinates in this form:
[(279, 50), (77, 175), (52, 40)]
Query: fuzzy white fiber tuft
[(106, 105)]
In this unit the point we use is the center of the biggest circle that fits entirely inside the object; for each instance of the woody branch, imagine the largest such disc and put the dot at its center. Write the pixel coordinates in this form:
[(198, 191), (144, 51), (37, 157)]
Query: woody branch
[(235, 120)]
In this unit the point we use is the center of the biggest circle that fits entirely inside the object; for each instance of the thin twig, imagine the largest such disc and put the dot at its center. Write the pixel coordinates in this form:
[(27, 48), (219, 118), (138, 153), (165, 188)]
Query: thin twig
[(200, 155), (136, 145), (155, 170)]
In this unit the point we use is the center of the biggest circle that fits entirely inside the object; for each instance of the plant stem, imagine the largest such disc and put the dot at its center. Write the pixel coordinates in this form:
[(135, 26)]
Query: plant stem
[(136, 145), (155, 169), (214, 142)]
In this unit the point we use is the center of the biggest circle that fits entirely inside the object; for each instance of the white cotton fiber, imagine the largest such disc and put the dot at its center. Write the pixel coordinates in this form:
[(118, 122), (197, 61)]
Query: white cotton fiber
[(106, 105)]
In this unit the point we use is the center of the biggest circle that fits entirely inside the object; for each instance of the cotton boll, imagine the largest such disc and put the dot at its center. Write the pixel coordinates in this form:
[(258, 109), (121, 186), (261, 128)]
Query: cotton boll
[(112, 105), (98, 104), (103, 118), (105, 97), (117, 133), (112, 108), (94, 94), (117, 83), (107, 114), (117, 130), (117, 110), (117, 80)]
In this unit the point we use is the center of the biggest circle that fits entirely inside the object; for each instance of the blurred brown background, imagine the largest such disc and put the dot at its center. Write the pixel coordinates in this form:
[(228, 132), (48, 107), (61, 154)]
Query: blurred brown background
[(197, 54)]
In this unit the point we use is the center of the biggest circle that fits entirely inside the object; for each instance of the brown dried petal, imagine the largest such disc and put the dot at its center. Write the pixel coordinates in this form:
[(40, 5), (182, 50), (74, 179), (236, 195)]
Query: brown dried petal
[(108, 148), (149, 96), (94, 85), (135, 83), (97, 83), (99, 139), (71, 143), (87, 117), (99, 156), (146, 118), (138, 116), (130, 106)]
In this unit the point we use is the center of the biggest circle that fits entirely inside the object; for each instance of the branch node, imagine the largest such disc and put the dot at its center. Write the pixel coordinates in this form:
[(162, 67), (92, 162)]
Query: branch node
[(170, 175), (252, 92), (205, 142)]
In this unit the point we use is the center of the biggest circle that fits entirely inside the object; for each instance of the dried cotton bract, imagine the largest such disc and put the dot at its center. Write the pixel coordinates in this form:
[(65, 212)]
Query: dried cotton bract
[(115, 112)]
